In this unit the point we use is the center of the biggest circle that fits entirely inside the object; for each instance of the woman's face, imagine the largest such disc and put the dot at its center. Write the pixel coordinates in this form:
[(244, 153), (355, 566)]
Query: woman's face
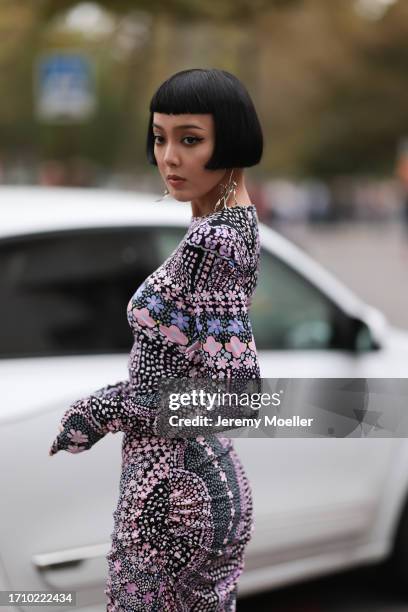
[(183, 145)]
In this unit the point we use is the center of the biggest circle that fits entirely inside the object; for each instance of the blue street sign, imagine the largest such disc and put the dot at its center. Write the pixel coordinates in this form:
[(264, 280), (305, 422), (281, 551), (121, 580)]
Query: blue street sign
[(65, 87)]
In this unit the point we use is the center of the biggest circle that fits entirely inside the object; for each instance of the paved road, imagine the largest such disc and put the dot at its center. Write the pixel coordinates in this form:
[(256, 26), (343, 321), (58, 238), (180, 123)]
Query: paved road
[(362, 590), (372, 260)]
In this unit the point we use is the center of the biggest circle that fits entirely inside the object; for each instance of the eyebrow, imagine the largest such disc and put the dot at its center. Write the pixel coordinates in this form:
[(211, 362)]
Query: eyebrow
[(178, 127)]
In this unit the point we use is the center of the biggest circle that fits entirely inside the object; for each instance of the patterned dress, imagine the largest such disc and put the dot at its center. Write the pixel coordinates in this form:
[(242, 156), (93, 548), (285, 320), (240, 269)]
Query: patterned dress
[(184, 514)]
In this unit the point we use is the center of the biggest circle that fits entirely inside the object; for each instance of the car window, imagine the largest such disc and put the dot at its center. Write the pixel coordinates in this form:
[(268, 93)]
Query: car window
[(167, 240), (67, 292), (288, 312)]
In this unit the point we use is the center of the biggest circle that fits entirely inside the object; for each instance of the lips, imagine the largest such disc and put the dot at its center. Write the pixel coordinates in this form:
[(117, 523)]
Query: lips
[(174, 177)]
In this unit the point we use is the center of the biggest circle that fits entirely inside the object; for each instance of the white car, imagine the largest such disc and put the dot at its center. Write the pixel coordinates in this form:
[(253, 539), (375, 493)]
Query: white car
[(70, 259)]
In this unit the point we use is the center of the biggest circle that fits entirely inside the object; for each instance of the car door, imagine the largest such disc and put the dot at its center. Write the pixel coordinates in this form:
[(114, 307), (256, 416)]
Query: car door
[(312, 495)]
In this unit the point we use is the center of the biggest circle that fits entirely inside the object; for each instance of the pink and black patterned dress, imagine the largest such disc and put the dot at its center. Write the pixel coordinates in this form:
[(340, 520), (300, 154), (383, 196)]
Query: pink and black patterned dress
[(184, 514)]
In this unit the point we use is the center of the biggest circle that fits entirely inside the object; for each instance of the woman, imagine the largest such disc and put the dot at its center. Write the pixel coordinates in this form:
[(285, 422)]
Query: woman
[(184, 515)]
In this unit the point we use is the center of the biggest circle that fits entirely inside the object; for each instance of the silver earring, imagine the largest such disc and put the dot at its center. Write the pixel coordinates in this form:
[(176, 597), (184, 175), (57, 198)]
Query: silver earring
[(229, 188), (165, 194)]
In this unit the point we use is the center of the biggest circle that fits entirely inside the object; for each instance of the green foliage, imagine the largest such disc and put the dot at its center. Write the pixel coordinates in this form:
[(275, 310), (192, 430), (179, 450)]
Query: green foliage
[(330, 87)]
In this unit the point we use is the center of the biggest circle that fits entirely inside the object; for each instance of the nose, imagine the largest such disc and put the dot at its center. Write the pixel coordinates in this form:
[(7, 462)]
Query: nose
[(171, 157)]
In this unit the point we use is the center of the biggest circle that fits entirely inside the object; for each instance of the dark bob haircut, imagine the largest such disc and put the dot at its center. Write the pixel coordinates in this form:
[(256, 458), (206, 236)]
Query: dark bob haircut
[(238, 133)]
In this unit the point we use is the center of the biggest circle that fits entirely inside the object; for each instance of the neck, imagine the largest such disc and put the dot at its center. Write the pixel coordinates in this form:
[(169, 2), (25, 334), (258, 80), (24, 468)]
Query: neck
[(205, 205)]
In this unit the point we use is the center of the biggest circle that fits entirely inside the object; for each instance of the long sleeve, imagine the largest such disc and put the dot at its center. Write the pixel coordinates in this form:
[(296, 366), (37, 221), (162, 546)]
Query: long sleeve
[(192, 317), (221, 340), (216, 277), (111, 408)]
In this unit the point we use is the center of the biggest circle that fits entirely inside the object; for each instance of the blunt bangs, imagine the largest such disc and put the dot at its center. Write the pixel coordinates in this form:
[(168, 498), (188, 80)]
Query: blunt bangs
[(238, 133)]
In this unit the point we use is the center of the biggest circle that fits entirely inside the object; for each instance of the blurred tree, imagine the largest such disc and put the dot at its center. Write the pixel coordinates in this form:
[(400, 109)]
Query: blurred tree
[(188, 10), (329, 85), (20, 30), (361, 114)]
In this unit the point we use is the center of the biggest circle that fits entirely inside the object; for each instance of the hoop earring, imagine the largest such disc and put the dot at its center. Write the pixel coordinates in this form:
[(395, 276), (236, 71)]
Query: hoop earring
[(231, 187), (165, 194)]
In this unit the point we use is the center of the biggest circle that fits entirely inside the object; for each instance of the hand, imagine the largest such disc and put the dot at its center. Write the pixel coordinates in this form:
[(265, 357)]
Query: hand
[(78, 431), (54, 447)]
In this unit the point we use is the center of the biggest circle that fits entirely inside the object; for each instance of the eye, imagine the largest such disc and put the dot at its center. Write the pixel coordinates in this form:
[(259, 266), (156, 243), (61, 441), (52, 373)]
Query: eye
[(192, 138)]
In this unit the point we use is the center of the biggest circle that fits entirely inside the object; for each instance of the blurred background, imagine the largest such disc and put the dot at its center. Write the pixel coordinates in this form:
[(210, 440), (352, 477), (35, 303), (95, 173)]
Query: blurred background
[(329, 81)]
